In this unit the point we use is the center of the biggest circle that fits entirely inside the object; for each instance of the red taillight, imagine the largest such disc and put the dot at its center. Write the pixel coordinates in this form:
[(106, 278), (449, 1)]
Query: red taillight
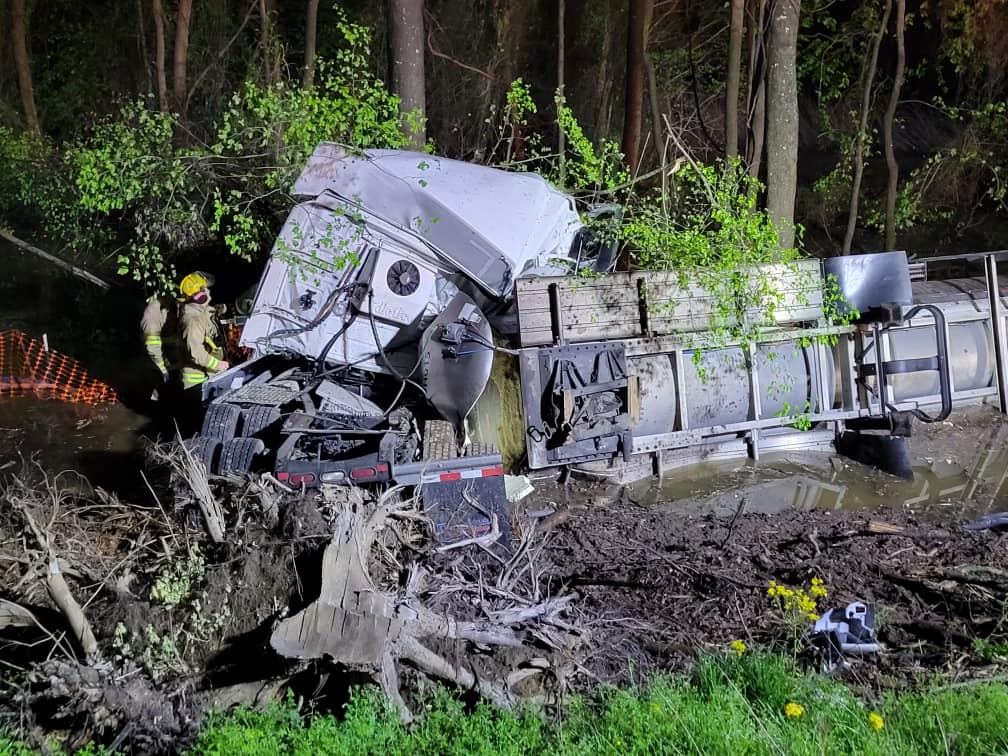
[(363, 472)]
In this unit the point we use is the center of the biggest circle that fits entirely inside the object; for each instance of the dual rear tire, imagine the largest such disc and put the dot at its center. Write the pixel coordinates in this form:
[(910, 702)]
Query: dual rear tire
[(220, 447)]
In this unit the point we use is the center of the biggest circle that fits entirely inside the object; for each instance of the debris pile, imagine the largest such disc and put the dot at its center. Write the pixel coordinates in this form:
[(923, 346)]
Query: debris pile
[(130, 620)]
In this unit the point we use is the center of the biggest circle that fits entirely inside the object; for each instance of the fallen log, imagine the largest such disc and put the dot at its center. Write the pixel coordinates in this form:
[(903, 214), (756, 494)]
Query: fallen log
[(60, 592), (878, 527), (81, 273)]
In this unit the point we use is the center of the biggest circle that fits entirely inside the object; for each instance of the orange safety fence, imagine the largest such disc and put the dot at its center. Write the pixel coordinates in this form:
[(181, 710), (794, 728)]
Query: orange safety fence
[(28, 367)]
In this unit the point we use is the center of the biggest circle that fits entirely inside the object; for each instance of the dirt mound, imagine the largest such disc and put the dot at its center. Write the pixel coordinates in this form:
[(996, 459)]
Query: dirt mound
[(663, 585)]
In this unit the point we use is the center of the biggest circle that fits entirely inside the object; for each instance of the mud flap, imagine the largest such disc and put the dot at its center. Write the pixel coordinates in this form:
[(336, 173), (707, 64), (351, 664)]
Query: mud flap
[(462, 496), (464, 509)]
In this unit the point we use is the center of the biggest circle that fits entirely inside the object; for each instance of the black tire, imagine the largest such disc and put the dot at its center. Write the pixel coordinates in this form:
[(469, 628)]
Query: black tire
[(206, 450), (439, 441), (256, 419), (221, 421), (239, 455)]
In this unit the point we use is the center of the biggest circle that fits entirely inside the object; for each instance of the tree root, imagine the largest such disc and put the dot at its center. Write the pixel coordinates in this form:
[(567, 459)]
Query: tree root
[(358, 624)]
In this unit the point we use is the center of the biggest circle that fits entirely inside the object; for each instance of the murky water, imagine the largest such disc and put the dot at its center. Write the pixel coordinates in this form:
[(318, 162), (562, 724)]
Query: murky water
[(62, 436), (949, 477)]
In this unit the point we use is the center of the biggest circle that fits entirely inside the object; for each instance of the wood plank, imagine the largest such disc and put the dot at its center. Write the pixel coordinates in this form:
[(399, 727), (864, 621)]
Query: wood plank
[(609, 307)]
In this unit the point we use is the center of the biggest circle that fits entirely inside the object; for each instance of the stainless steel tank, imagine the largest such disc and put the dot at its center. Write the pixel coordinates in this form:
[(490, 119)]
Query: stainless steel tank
[(717, 386)]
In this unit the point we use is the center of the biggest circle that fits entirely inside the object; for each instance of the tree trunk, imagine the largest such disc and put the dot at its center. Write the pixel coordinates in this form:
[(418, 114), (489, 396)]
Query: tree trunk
[(756, 89), (181, 56), (652, 84), (159, 54), (887, 127), (561, 61), (634, 98), (311, 38), (603, 112), (782, 118), (867, 77), (144, 55), (267, 41), (732, 78), (406, 37), (22, 64)]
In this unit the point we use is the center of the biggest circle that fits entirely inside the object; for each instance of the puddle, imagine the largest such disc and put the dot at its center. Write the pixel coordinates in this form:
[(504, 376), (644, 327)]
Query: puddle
[(949, 482)]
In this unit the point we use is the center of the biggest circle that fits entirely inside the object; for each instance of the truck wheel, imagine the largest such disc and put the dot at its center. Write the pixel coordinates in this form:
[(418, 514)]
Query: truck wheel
[(439, 441), (221, 422), (256, 419), (239, 454), (207, 450)]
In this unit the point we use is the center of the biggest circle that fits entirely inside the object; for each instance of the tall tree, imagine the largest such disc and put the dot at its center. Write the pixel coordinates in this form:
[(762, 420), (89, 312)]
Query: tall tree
[(887, 127), (142, 42), (756, 87), (733, 77), (782, 118), (181, 55), (268, 41), (22, 64), (561, 63), (406, 38), (634, 95), (311, 40), (159, 54), (867, 78), (603, 112)]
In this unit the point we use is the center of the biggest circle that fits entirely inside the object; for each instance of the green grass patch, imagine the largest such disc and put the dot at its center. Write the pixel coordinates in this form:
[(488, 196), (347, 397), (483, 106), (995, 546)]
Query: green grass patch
[(750, 705)]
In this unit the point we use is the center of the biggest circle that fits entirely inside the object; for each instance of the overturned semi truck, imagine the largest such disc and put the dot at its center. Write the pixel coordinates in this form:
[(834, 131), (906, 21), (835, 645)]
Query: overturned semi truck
[(400, 282)]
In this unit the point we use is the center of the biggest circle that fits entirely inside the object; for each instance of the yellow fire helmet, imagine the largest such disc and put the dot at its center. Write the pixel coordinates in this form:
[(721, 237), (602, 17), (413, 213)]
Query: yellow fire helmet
[(194, 283)]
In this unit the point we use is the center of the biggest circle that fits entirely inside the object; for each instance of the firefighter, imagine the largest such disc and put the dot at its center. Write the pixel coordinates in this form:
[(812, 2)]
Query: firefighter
[(159, 324), (200, 354)]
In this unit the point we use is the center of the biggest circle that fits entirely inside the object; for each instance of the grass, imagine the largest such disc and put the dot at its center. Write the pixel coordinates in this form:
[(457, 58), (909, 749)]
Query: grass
[(728, 706)]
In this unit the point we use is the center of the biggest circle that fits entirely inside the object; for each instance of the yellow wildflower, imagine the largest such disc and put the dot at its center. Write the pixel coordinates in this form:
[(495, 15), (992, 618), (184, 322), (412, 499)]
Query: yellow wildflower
[(793, 710), (739, 647), (818, 589), (876, 721)]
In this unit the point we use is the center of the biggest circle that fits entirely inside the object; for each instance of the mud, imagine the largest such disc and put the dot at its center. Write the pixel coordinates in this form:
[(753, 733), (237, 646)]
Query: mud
[(668, 569), (660, 586)]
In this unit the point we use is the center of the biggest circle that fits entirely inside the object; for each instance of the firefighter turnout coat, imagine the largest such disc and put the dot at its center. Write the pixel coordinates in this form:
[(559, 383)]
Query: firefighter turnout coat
[(201, 355)]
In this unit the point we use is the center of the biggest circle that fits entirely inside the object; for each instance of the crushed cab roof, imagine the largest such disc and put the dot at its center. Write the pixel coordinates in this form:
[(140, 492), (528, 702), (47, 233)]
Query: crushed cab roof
[(491, 223)]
